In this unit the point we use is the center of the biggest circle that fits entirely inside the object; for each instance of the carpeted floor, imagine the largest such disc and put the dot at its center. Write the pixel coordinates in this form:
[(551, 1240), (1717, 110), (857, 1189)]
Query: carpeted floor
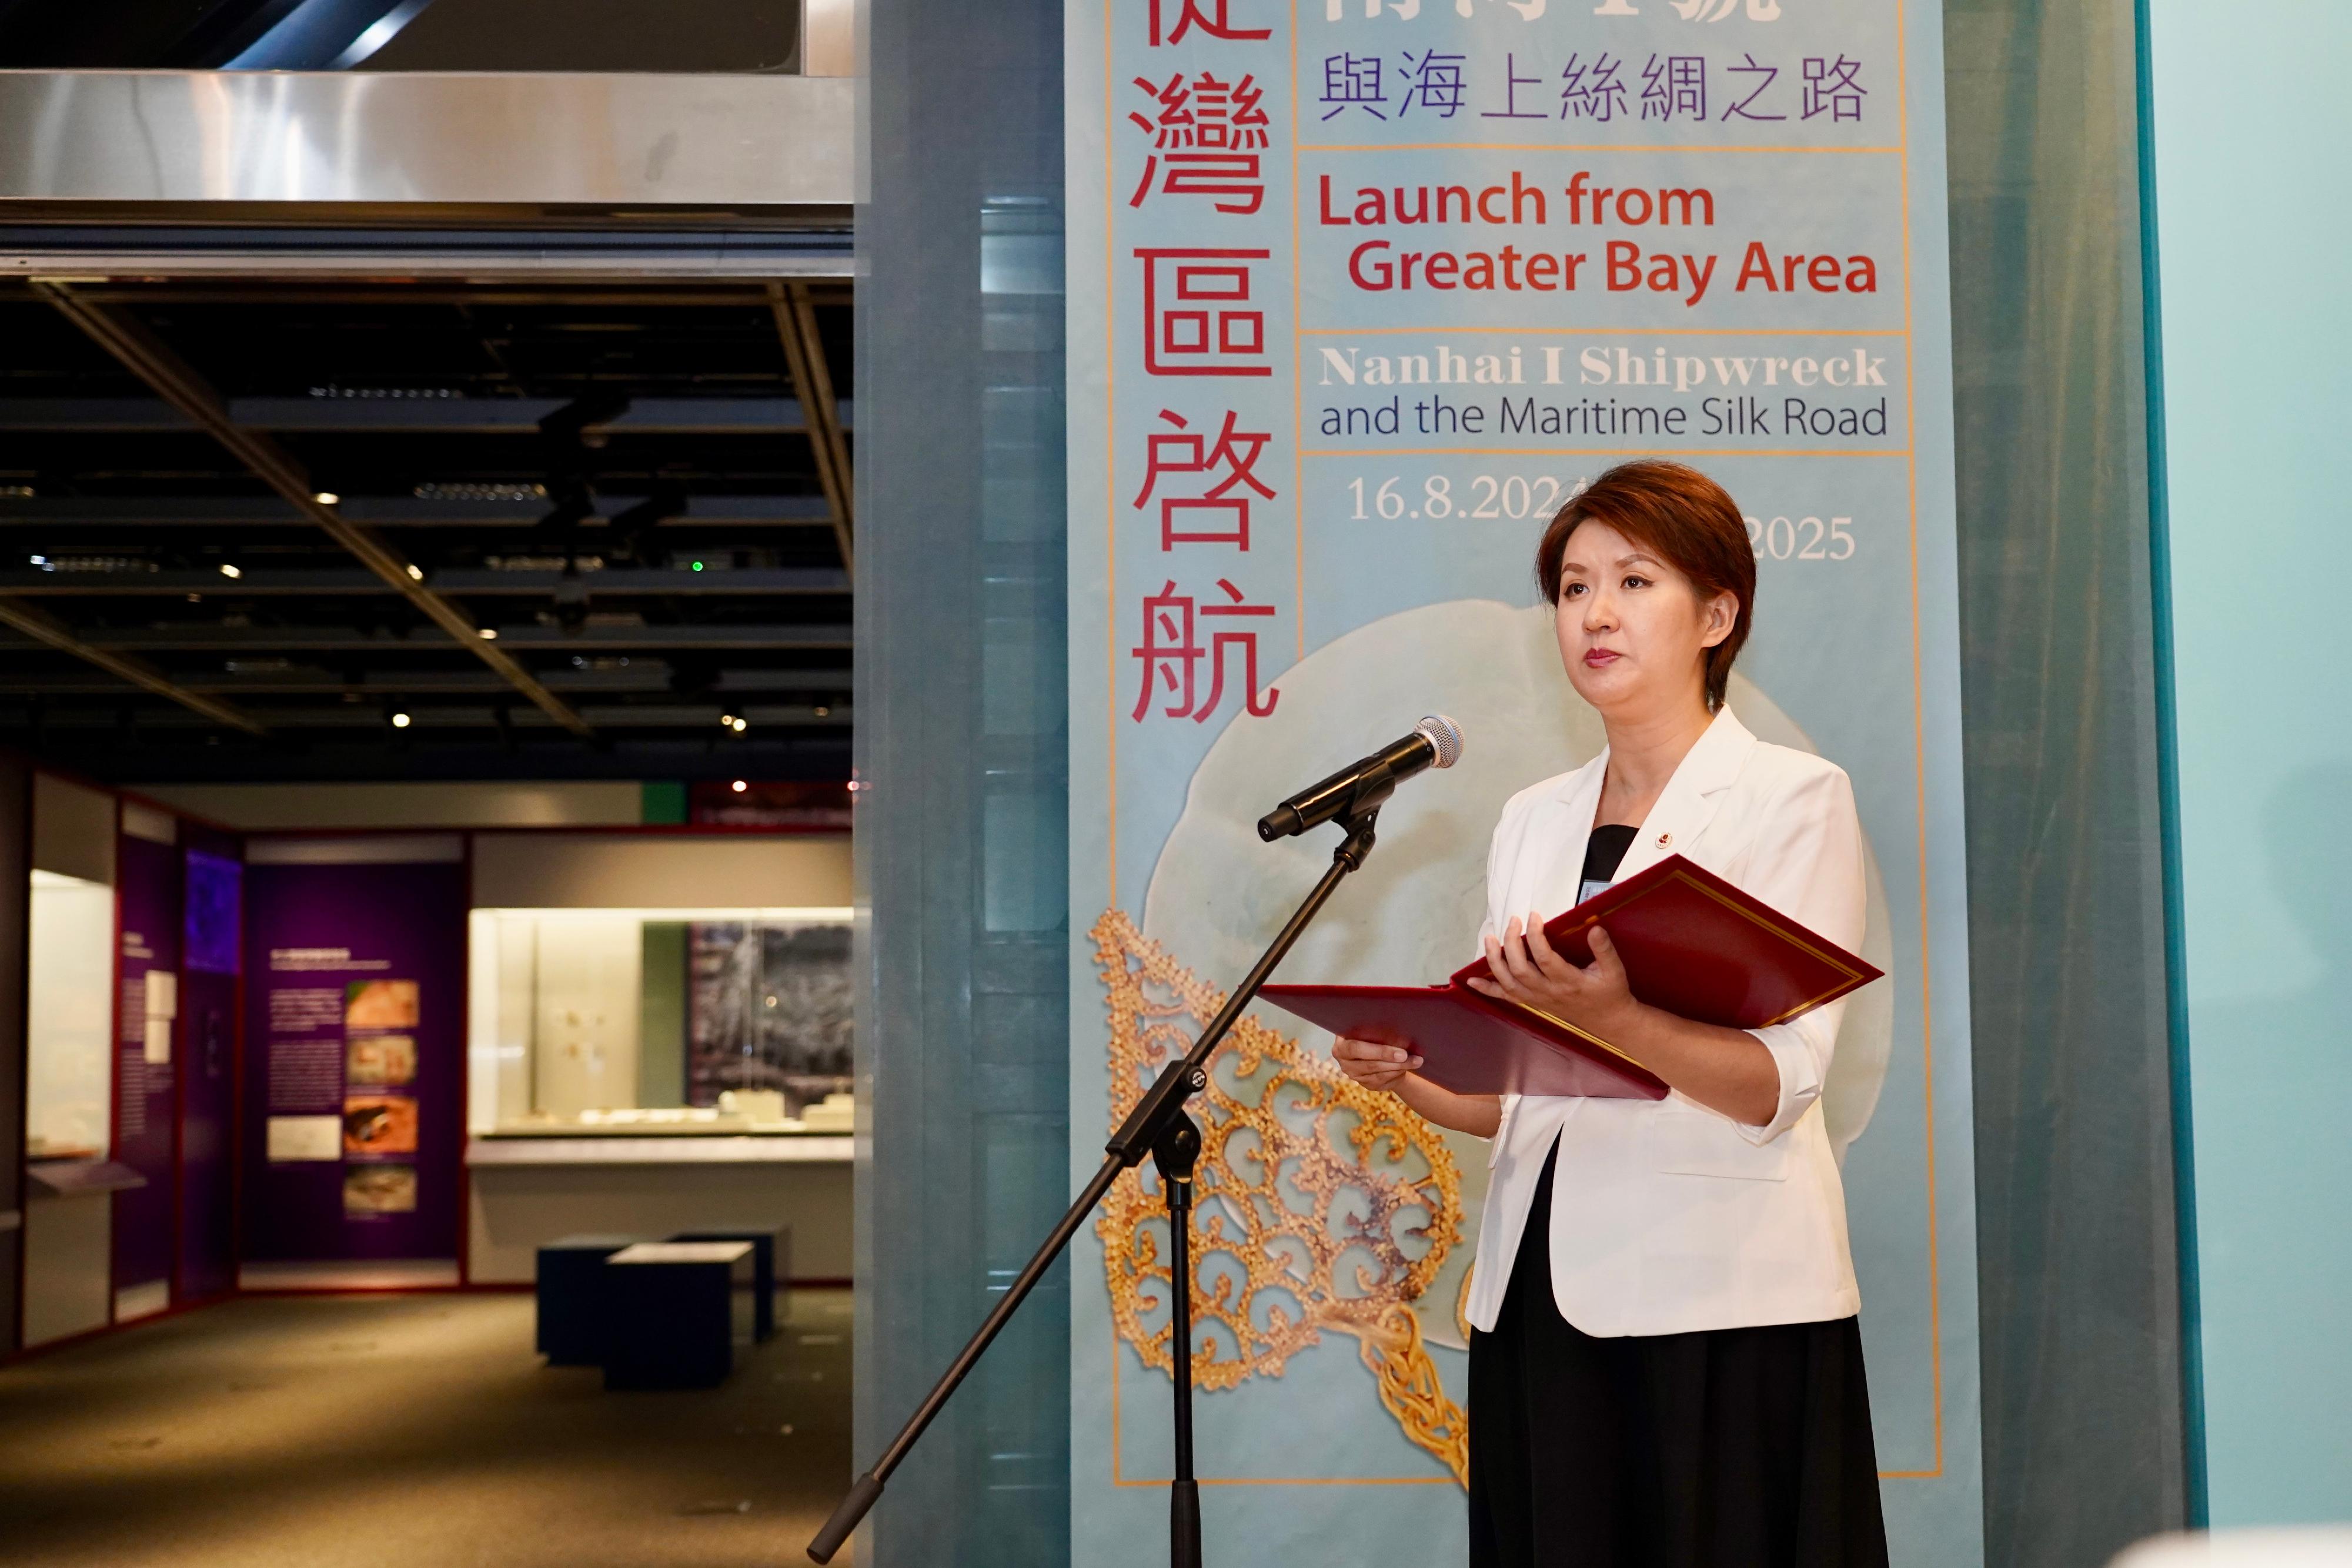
[(418, 1431)]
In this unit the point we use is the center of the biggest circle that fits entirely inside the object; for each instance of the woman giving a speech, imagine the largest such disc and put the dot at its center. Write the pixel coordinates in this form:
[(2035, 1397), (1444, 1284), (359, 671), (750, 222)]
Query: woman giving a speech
[(1665, 1371)]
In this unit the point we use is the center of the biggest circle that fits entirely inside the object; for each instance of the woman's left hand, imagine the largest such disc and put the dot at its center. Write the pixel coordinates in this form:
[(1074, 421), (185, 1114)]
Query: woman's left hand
[(1527, 970)]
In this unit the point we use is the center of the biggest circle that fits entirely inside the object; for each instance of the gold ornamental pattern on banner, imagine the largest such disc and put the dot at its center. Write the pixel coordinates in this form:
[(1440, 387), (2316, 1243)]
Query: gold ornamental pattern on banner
[(1320, 1203)]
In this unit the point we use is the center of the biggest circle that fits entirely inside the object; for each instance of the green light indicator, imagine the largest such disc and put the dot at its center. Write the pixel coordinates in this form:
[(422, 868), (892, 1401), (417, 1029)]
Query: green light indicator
[(697, 566)]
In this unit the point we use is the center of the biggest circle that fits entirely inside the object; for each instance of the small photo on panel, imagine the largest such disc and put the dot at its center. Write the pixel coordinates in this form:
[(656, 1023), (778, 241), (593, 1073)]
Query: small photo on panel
[(378, 1189), (380, 1004), (379, 1125), (376, 1059)]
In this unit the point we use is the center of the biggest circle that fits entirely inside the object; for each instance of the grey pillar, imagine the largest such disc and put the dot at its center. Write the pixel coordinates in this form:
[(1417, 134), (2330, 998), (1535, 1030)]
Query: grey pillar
[(2077, 1275), (962, 769)]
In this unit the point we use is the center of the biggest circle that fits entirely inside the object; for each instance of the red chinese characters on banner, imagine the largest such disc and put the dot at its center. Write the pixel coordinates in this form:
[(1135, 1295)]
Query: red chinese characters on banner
[(1206, 136), (1213, 23), (1172, 653), (1203, 304), (1197, 314), (1217, 515)]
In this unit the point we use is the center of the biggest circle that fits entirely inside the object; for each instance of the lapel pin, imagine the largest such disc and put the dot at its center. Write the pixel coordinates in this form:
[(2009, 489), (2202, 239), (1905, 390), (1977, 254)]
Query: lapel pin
[(1665, 838)]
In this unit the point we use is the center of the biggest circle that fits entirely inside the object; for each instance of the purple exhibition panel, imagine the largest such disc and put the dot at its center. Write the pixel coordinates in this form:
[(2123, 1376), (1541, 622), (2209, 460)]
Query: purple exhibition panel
[(147, 888), (214, 899), (354, 1059)]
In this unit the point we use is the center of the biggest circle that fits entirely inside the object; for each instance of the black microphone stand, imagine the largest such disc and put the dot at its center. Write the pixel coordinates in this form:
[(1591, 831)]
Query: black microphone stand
[(1161, 1127)]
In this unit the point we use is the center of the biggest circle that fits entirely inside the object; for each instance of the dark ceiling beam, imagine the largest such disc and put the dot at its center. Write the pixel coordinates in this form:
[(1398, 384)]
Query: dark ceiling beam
[(206, 638), (745, 580), (685, 639), (140, 413), (651, 675), (804, 353), (35, 624), (592, 638), (389, 511), (157, 511), (750, 583), (148, 358), (520, 415), (424, 718), (433, 415), (759, 715), (817, 752)]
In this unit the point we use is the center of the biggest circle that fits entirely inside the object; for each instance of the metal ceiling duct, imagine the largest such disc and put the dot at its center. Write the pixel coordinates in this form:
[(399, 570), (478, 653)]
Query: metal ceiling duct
[(761, 149)]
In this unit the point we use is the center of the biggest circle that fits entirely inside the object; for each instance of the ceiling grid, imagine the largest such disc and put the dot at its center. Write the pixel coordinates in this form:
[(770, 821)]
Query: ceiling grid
[(292, 514)]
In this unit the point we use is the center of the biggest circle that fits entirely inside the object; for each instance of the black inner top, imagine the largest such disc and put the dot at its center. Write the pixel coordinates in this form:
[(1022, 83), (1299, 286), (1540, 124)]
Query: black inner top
[(1603, 851)]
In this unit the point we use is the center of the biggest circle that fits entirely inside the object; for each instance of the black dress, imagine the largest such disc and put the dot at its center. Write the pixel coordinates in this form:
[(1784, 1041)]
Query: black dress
[(1743, 1448)]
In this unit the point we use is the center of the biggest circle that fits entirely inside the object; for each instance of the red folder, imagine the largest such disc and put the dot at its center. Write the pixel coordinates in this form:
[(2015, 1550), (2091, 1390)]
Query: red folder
[(1691, 943)]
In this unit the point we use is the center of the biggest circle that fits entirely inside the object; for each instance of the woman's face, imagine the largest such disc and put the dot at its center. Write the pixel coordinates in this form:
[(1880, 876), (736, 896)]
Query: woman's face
[(1633, 632)]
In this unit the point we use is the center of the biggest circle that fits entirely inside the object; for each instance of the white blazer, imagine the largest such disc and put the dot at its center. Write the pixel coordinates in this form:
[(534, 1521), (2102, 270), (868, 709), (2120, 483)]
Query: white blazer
[(1668, 1218)]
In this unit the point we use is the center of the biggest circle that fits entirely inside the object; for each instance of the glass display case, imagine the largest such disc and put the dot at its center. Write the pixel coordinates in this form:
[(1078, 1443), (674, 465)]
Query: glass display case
[(68, 1014), (659, 1021)]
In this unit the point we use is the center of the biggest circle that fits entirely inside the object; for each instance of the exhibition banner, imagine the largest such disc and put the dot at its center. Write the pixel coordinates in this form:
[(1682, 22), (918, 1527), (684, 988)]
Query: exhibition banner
[(1361, 292), (355, 976)]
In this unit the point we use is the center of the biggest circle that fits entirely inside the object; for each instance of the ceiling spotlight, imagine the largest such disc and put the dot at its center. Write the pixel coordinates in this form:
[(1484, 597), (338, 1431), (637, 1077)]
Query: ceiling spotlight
[(231, 571), (823, 712), (487, 634), (727, 721), (416, 572), (400, 721), (738, 786), (326, 497), (739, 726)]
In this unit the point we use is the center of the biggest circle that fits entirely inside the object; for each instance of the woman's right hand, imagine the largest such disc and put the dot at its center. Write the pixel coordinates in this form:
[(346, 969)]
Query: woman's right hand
[(1373, 1064)]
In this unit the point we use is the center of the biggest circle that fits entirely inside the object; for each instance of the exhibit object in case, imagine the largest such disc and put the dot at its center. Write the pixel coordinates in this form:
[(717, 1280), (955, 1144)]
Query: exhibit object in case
[(632, 1022), (1692, 944)]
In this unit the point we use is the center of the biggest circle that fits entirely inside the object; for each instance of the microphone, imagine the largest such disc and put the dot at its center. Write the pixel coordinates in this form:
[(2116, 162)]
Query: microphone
[(1435, 742)]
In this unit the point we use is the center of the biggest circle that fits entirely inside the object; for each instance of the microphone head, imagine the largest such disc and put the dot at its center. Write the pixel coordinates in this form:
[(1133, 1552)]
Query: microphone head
[(1444, 737)]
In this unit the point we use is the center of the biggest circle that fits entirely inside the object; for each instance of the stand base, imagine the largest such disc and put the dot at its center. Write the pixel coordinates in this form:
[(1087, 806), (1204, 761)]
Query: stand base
[(1184, 1525), (1158, 1125)]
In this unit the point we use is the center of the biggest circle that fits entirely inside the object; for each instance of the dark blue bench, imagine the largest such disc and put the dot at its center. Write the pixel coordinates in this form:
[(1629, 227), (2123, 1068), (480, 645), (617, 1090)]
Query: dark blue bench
[(571, 1310), (771, 1265), (670, 1320)]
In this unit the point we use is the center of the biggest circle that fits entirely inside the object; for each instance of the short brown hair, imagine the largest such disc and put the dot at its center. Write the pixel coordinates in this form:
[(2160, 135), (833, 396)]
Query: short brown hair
[(1687, 520)]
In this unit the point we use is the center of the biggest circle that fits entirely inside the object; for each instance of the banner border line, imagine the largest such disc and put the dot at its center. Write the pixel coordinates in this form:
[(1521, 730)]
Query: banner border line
[(1907, 332)]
